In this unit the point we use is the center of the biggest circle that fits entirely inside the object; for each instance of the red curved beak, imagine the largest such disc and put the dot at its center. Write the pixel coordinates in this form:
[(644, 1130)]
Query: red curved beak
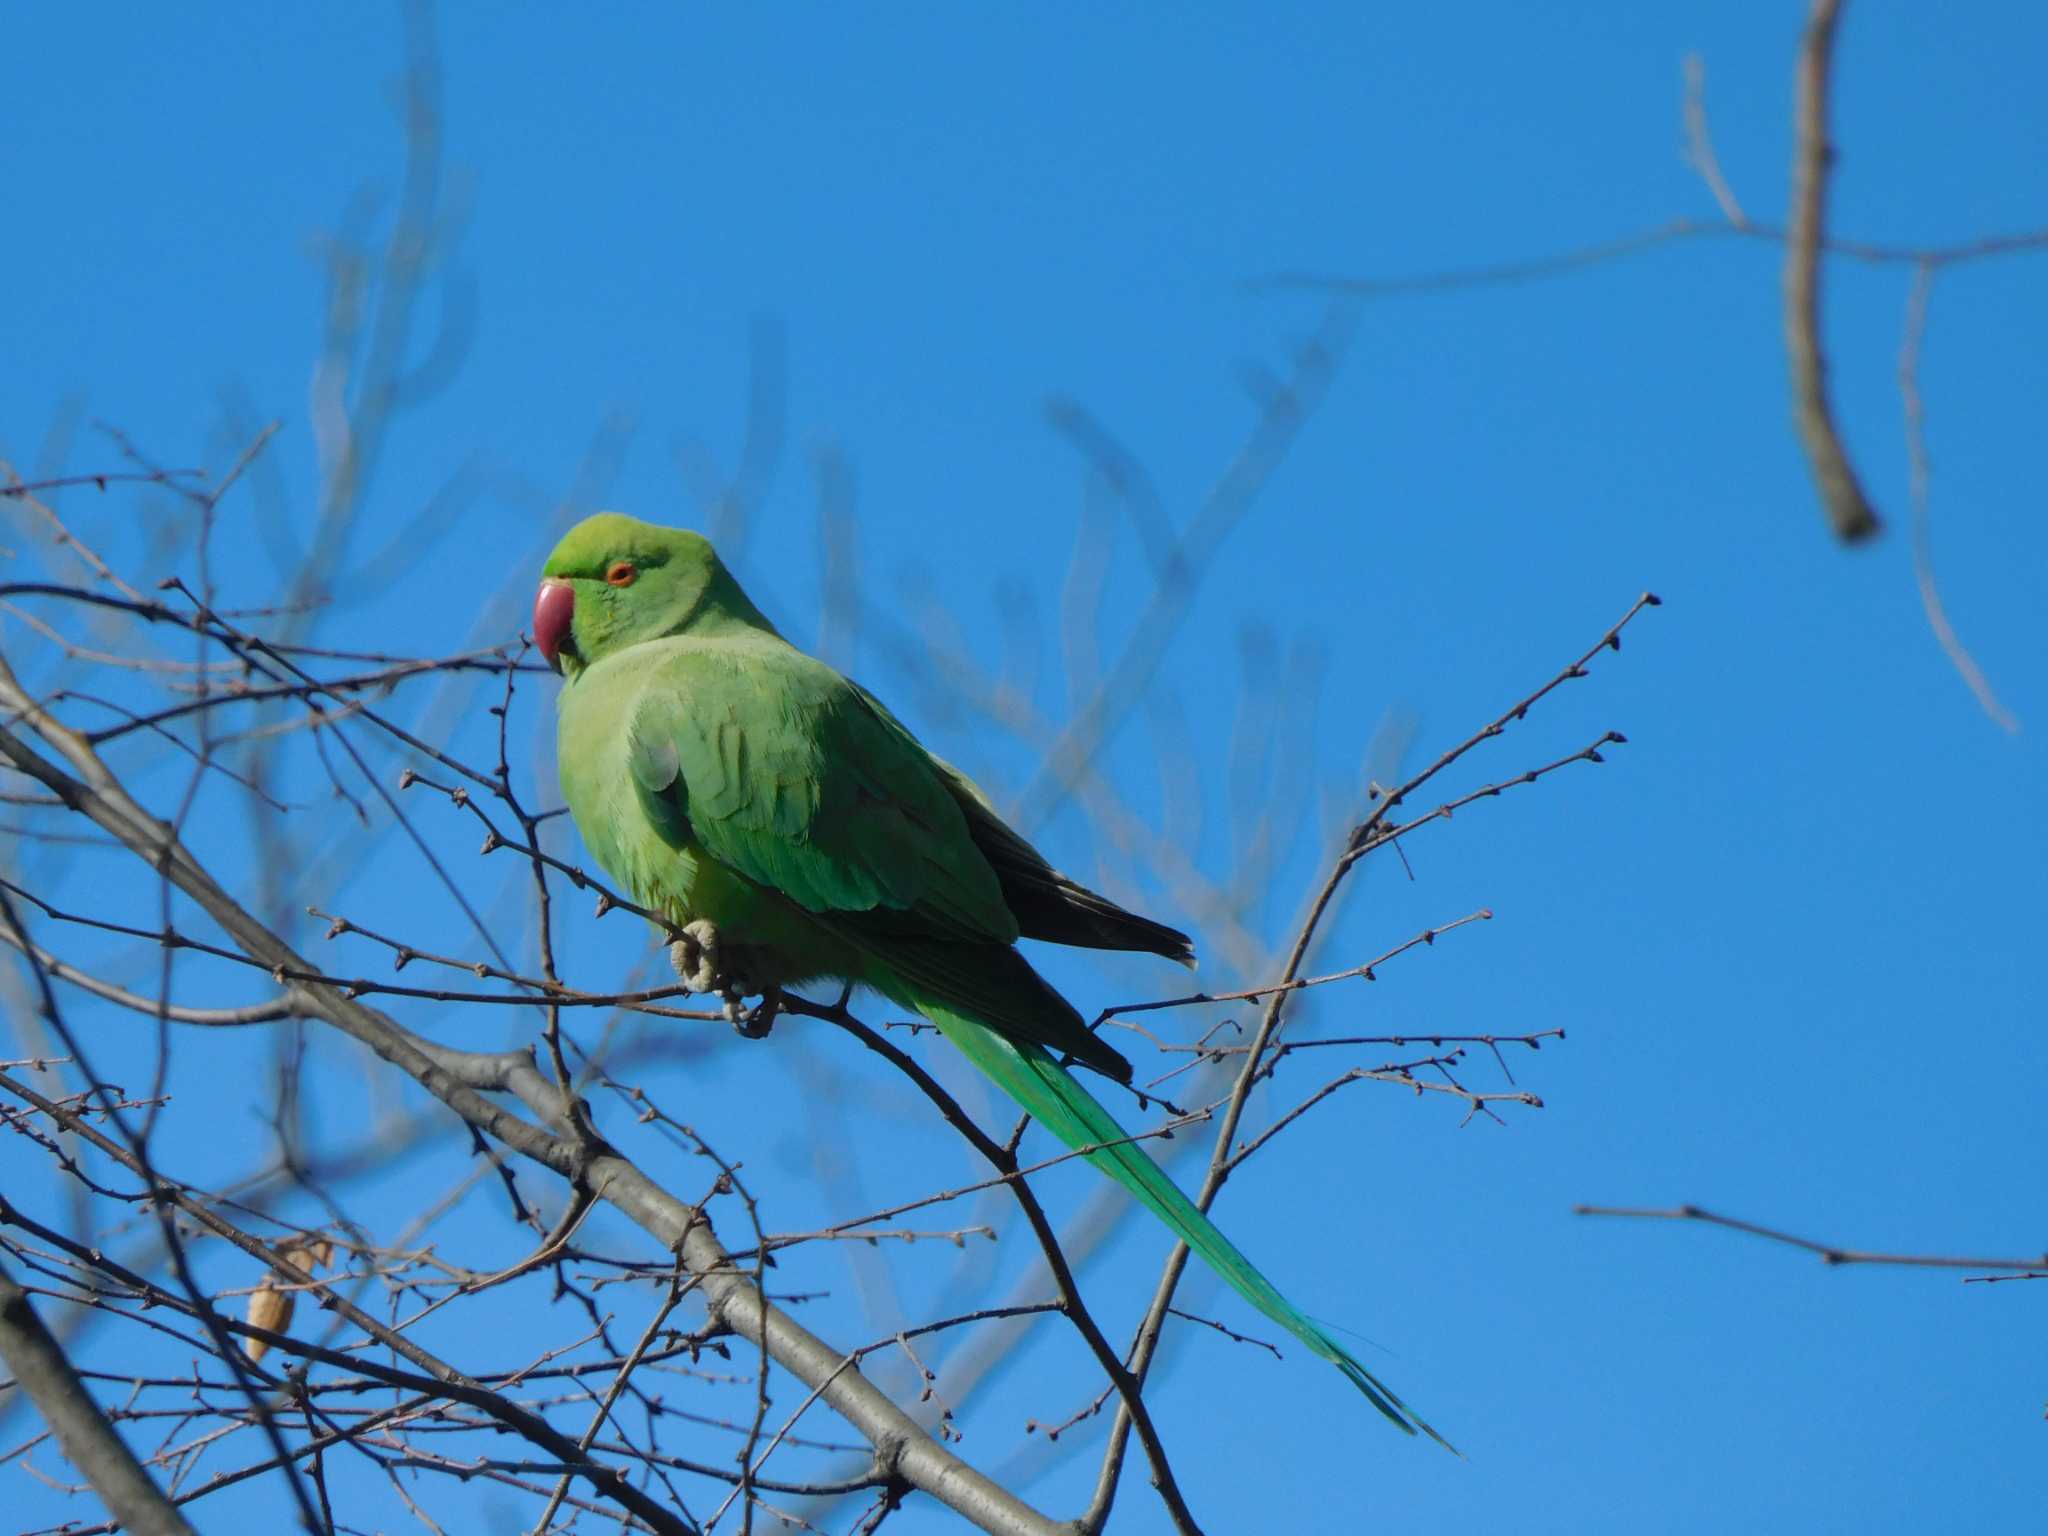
[(554, 606)]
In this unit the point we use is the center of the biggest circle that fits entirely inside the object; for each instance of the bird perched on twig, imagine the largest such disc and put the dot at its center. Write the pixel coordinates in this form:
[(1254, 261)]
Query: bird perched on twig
[(793, 830)]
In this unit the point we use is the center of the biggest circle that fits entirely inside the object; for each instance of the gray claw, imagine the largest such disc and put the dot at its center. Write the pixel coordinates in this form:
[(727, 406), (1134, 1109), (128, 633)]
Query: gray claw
[(754, 1023)]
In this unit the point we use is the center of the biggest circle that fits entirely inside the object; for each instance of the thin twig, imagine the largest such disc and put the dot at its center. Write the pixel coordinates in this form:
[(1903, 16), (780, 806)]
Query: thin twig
[(1827, 1253), (1917, 478), (1699, 142)]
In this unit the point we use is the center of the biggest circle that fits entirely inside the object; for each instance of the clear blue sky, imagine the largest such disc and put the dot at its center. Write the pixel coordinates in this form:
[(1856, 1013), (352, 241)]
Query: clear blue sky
[(1788, 927)]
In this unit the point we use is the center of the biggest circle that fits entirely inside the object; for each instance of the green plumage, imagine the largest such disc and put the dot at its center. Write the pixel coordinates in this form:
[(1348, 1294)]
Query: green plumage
[(723, 776)]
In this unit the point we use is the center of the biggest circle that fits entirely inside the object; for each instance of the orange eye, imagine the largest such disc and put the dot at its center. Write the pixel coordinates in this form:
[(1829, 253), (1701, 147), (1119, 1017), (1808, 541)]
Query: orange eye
[(620, 573)]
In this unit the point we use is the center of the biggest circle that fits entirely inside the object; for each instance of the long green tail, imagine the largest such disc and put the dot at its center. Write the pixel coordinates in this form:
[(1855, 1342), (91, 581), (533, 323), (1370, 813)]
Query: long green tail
[(1030, 1075)]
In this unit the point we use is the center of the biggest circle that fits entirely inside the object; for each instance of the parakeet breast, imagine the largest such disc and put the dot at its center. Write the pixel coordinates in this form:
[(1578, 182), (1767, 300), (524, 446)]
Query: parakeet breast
[(644, 841), (659, 866)]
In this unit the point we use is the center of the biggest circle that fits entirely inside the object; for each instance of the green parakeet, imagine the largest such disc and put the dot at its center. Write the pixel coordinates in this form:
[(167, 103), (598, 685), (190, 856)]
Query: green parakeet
[(793, 830)]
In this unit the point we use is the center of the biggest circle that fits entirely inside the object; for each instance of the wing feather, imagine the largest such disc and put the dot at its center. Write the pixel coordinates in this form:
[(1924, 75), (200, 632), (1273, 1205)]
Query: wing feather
[(779, 768), (790, 777)]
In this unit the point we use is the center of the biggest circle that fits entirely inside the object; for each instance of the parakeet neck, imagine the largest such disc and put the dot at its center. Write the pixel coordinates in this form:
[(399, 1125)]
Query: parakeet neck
[(721, 608)]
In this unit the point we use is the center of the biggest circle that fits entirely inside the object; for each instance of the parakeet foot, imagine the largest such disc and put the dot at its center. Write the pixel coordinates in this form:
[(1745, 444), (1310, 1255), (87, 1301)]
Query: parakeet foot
[(700, 967), (695, 958)]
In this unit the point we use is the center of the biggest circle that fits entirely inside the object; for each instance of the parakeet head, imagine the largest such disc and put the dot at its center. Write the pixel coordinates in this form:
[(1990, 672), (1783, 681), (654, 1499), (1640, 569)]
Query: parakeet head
[(615, 581)]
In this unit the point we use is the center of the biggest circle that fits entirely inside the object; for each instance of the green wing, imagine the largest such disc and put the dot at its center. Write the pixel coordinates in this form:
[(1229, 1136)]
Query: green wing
[(780, 769)]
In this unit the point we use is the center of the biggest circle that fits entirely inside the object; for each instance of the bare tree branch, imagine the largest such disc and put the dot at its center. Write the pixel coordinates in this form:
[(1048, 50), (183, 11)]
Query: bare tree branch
[(88, 1441), (1370, 834), (1841, 494), (1828, 1253), (460, 1080)]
